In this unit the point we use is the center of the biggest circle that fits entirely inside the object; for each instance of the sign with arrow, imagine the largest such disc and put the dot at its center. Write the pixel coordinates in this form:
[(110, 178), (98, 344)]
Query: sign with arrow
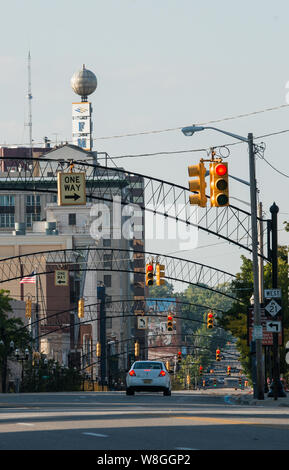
[(71, 189), (61, 277), (273, 326)]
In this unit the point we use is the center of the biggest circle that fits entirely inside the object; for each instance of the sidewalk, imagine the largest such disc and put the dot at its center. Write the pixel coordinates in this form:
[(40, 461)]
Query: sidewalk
[(268, 402)]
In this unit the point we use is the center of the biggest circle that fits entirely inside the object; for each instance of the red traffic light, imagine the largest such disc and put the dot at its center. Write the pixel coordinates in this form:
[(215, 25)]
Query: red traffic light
[(218, 351), (150, 267), (210, 315), (221, 169), (179, 353), (170, 318)]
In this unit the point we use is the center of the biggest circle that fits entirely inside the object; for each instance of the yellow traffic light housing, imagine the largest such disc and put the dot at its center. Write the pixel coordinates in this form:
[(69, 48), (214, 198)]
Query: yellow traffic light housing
[(219, 184), (179, 357), (98, 349), (198, 184), (170, 322), (160, 273), (210, 320), (149, 274), (136, 349), (81, 308), (28, 308), (229, 370), (218, 355)]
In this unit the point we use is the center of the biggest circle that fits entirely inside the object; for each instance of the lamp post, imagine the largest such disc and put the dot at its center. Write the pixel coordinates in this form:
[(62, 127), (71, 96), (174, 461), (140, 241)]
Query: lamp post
[(189, 131)]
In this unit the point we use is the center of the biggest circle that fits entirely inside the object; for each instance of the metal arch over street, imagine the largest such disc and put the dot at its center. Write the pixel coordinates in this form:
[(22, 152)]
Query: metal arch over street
[(119, 260), (161, 197)]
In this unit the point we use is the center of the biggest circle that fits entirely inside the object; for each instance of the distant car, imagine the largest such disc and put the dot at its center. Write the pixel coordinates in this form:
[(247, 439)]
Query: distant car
[(148, 376)]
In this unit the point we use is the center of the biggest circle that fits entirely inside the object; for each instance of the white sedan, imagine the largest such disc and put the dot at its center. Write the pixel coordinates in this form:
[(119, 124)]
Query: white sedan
[(150, 376)]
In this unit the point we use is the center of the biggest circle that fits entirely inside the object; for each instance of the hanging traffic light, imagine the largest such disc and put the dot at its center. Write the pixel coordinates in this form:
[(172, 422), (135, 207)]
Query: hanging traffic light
[(179, 357), (81, 308), (149, 274), (136, 349), (210, 320), (28, 308), (219, 184), (215, 382), (98, 349), (218, 355), (170, 323), (201, 370), (160, 273), (229, 370), (168, 367), (198, 185)]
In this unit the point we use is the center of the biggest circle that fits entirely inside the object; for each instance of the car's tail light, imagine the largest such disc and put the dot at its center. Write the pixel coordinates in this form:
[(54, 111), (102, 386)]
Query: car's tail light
[(162, 373), (132, 372)]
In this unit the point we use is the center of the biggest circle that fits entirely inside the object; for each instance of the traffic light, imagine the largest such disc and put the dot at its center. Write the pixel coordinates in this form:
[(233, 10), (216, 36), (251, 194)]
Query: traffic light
[(240, 382), (168, 365), (219, 184), (218, 355), (149, 274), (98, 349), (28, 308), (201, 370), (170, 323), (198, 184), (210, 320), (179, 357), (81, 308), (229, 370), (136, 349), (160, 273), (215, 382)]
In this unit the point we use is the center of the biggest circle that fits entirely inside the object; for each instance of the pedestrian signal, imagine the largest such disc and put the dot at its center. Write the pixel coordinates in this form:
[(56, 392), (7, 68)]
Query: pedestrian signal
[(160, 273), (198, 185), (219, 184)]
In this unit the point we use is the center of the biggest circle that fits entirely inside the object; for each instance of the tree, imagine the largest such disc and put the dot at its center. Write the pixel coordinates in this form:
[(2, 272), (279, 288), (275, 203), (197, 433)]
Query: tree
[(13, 334)]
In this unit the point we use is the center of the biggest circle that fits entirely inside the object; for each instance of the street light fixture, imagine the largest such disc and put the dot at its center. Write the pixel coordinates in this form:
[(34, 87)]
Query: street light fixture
[(189, 131)]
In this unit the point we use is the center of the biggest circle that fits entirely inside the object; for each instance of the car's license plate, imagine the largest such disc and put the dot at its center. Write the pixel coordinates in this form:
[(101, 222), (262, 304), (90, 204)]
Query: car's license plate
[(147, 381)]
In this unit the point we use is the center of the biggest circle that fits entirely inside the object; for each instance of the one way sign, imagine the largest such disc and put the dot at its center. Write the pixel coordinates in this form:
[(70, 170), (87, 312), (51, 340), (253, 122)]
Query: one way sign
[(71, 189)]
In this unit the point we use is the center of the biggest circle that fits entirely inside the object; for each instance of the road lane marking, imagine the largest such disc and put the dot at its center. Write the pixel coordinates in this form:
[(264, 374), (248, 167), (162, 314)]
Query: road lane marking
[(94, 434), (26, 424)]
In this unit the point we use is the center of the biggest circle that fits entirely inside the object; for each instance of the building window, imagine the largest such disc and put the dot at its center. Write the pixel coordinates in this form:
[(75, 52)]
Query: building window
[(7, 201), (32, 200), (71, 219), (107, 261), (106, 242), (7, 220), (30, 218), (107, 280)]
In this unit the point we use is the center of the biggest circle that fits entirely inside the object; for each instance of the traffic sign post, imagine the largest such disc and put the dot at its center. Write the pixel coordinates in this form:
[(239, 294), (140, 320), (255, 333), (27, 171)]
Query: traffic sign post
[(71, 189)]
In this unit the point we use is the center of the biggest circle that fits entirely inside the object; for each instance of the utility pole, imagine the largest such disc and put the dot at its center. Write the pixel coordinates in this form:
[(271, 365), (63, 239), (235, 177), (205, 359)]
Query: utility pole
[(257, 311), (102, 333)]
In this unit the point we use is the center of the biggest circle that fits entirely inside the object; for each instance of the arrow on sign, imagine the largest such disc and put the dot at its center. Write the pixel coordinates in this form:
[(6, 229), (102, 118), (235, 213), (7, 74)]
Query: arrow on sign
[(273, 325), (72, 196)]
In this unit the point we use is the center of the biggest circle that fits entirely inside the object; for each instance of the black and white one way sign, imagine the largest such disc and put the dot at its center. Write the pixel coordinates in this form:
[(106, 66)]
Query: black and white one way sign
[(71, 189)]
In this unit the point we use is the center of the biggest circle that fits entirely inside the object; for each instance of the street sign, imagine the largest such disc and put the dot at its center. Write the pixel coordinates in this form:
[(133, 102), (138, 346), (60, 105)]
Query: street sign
[(273, 307), (273, 326), (267, 337), (272, 293), (258, 332), (71, 189), (142, 323), (61, 277)]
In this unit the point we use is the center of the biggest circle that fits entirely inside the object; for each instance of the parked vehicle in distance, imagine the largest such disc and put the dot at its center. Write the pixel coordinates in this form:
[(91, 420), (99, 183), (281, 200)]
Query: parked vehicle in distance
[(148, 376)]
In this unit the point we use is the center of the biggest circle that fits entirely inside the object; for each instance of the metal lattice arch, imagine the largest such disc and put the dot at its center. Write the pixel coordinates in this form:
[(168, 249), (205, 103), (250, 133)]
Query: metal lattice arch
[(161, 197)]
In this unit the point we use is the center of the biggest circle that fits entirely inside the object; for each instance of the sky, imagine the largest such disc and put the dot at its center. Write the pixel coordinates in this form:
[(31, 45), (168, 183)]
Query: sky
[(160, 64)]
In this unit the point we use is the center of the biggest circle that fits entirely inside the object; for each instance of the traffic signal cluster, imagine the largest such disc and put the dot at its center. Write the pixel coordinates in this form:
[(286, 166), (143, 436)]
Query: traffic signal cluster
[(219, 184), (159, 273)]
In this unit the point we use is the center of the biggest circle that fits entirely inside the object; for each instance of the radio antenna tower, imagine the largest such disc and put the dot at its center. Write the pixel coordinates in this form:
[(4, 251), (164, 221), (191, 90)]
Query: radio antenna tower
[(29, 96)]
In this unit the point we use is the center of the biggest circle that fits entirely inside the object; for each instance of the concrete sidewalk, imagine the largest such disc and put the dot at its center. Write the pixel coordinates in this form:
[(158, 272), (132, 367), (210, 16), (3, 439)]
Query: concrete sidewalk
[(268, 402)]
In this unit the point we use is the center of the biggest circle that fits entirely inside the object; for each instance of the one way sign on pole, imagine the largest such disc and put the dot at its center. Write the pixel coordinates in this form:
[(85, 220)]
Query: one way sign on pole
[(71, 189)]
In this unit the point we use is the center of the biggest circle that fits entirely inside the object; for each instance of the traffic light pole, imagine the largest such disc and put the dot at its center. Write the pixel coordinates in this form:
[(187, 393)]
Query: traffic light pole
[(102, 333), (257, 310)]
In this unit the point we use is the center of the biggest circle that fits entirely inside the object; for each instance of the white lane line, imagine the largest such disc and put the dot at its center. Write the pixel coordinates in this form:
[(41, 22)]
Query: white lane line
[(26, 424), (184, 448), (94, 434)]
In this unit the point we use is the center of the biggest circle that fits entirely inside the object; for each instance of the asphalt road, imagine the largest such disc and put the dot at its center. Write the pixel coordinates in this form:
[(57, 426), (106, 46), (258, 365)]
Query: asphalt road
[(146, 421)]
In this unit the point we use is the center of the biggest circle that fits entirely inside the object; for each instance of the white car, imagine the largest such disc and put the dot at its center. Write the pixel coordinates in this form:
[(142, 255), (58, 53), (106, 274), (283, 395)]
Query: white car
[(150, 376)]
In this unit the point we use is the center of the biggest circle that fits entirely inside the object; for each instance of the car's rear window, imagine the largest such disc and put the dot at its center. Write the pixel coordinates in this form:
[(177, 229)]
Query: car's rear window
[(147, 365)]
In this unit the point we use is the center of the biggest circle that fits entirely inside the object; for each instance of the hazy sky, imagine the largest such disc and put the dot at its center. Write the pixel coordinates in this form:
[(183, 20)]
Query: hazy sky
[(160, 64)]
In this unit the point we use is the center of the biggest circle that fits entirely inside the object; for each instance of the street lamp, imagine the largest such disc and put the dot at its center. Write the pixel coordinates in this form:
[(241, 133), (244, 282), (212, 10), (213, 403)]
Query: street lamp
[(189, 131)]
